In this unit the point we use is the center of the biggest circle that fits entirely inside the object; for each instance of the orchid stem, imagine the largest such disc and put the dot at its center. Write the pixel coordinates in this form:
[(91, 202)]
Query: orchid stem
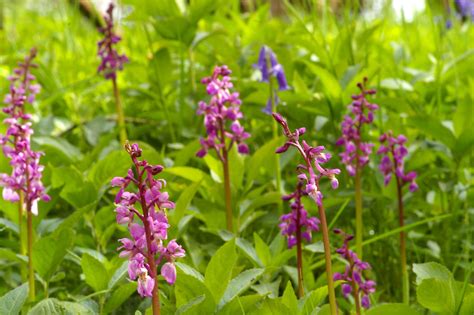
[(299, 256), (358, 211), (31, 272), (228, 205), (24, 270), (120, 115), (403, 251), (327, 256)]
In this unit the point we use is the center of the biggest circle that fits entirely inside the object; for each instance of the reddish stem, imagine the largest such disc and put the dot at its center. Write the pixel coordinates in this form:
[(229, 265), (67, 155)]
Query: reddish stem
[(299, 258), (225, 167)]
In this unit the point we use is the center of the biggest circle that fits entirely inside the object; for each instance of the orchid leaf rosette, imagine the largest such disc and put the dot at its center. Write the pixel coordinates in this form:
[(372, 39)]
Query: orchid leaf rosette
[(141, 205)]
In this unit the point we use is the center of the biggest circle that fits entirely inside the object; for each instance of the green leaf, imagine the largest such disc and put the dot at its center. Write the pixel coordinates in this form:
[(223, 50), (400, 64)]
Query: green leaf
[(396, 84), (191, 306), (270, 307), (236, 168), (431, 270), (239, 284), (392, 309), (47, 306), (263, 158), (241, 305), (189, 288), (118, 275), (314, 299), (331, 86), (183, 202), (190, 173), (289, 297), (433, 127), (120, 295), (215, 166), (436, 295), (190, 271), (467, 307), (263, 251), (72, 308), (95, 273), (12, 301), (219, 269), (49, 252), (114, 164)]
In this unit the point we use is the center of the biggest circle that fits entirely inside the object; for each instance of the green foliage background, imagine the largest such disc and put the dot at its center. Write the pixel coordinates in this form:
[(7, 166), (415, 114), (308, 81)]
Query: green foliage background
[(423, 74)]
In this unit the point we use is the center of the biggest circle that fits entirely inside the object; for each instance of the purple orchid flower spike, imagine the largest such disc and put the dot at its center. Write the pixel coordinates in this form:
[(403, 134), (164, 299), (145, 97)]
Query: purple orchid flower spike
[(111, 60), (269, 67), (146, 204), (392, 164), (24, 184), (222, 121), (309, 176), (355, 285)]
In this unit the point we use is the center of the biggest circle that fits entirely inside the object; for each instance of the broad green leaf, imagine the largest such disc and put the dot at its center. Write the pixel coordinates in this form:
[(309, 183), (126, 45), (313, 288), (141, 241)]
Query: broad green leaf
[(95, 272), (263, 251), (263, 158), (236, 168), (392, 309), (120, 295), (289, 297), (190, 271), (314, 299), (12, 301), (47, 306), (191, 306), (467, 306), (118, 274), (219, 269), (114, 164), (270, 307), (189, 288), (49, 252), (431, 270), (239, 284), (436, 295), (72, 308), (241, 305), (215, 166)]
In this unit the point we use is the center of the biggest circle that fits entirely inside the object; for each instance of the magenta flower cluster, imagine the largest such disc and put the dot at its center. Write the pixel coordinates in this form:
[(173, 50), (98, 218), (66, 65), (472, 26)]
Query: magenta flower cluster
[(146, 248), (27, 172), (394, 147), (111, 60), (223, 107), (312, 171), (268, 66), (355, 283), (297, 220), (356, 152)]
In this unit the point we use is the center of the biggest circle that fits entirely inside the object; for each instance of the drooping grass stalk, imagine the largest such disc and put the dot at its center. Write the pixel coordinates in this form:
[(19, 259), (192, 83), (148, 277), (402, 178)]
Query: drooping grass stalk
[(403, 250), (119, 110)]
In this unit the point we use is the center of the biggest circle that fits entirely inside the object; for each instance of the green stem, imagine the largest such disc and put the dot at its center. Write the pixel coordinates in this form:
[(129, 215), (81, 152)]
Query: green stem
[(358, 211), (275, 135), (228, 202), (327, 257), (120, 115), (299, 254), (31, 272), (403, 251), (24, 270)]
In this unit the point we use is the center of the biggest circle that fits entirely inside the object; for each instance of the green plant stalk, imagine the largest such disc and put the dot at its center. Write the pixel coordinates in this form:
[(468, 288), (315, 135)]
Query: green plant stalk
[(31, 272), (120, 115), (358, 210), (227, 191), (275, 135), (403, 251), (327, 257), (299, 255), (24, 270)]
